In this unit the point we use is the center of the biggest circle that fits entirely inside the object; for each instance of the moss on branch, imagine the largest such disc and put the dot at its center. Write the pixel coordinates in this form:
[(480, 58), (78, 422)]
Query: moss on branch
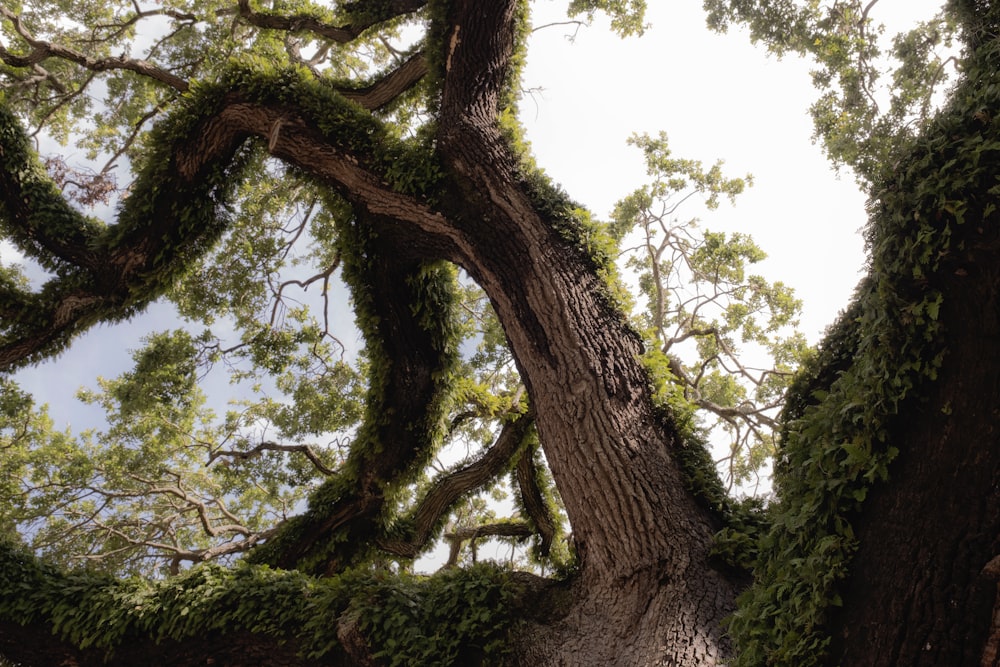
[(443, 620)]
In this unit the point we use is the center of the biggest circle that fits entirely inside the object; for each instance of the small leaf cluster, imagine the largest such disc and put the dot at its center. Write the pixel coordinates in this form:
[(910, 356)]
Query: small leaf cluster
[(626, 15), (700, 305)]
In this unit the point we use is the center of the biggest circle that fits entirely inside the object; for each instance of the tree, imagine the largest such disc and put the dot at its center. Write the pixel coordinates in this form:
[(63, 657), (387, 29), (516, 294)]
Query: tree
[(405, 165)]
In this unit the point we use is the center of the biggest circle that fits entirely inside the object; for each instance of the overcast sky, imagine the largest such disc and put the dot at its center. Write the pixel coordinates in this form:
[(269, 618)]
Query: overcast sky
[(715, 96)]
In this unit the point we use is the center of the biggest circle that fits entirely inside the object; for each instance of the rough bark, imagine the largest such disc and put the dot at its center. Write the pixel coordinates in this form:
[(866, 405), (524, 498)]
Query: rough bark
[(642, 538), (921, 592)]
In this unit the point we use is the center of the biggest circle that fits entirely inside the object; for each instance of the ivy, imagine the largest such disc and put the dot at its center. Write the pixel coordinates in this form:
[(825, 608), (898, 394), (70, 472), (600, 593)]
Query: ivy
[(448, 619), (404, 617)]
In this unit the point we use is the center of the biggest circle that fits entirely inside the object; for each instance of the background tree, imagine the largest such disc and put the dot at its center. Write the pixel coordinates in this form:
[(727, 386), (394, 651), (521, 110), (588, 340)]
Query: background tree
[(295, 144)]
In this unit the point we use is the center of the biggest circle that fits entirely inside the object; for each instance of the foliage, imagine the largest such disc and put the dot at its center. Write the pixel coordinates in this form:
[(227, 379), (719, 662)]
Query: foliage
[(328, 460), (404, 617), (860, 122), (700, 306), (626, 15), (402, 614)]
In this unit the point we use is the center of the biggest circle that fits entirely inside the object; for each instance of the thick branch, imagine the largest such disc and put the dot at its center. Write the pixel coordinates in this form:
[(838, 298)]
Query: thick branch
[(532, 500), (412, 354), (392, 85), (615, 461), (35, 643)]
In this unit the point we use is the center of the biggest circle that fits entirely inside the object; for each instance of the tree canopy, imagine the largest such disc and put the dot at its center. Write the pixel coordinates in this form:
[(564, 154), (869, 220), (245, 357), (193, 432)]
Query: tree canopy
[(528, 373)]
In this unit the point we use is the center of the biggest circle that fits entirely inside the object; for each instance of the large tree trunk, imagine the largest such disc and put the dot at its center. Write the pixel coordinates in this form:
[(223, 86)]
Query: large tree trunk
[(642, 538), (921, 592), (923, 586)]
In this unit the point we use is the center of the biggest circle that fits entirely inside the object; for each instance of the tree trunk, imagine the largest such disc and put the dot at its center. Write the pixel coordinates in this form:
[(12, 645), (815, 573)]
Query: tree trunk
[(642, 538), (921, 591), (923, 588)]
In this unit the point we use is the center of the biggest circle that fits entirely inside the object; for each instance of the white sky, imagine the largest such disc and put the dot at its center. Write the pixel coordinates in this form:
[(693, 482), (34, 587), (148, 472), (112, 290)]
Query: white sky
[(717, 97)]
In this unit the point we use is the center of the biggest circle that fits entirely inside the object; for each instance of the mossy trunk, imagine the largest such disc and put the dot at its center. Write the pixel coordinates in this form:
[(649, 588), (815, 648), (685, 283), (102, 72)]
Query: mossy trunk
[(923, 584)]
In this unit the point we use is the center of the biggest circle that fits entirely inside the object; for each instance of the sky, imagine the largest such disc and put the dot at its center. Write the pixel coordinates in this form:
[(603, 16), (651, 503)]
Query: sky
[(715, 96)]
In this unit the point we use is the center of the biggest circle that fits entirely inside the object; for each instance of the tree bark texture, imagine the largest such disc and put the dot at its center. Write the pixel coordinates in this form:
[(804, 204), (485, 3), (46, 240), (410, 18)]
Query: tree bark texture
[(642, 538), (921, 591)]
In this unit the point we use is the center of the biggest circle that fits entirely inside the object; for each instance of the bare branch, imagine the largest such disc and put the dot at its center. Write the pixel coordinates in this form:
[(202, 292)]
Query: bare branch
[(118, 29), (42, 50), (273, 447)]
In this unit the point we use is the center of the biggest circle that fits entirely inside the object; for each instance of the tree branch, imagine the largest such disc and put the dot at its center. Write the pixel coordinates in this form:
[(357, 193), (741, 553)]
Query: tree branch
[(390, 86), (42, 50), (532, 500), (452, 486), (500, 529), (413, 354), (273, 447), (341, 34)]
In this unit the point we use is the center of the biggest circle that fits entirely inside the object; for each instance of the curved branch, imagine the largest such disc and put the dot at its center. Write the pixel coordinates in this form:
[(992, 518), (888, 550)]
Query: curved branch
[(452, 486), (392, 85), (533, 501), (42, 50), (118, 29), (273, 447), (410, 342)]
